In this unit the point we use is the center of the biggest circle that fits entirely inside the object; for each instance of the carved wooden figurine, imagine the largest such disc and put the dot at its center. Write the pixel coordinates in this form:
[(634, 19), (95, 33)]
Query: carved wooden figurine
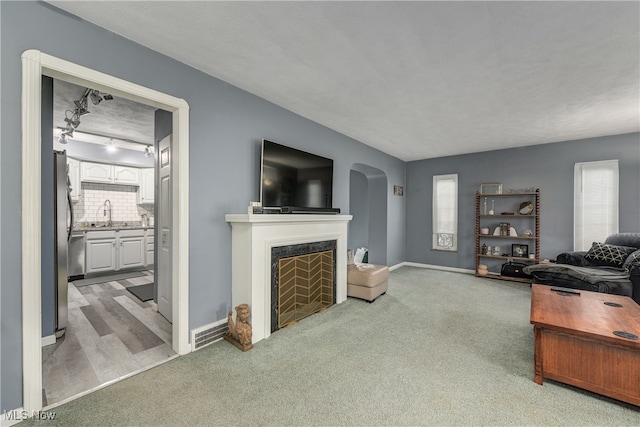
[(240, 332)]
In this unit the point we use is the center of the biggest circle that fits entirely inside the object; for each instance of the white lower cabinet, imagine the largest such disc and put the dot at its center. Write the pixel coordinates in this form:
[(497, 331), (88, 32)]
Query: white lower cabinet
[(131, 248), (150, 239), (112, 250), (101, 251)]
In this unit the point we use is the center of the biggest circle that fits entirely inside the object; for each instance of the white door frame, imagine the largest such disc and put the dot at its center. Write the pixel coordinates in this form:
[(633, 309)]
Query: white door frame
[(35, 64)]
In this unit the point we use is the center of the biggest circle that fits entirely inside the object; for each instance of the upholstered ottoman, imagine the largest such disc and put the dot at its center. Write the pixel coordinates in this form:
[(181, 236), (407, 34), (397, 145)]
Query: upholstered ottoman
[(367, 281)]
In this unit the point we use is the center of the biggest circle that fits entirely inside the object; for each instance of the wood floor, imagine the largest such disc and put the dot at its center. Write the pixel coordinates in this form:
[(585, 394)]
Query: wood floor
[(110, 334)]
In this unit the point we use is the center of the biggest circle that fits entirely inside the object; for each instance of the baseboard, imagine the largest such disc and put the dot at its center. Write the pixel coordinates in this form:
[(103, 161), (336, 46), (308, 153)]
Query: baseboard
[(397, 266), (45, 341), (433, 267), (208, 334)]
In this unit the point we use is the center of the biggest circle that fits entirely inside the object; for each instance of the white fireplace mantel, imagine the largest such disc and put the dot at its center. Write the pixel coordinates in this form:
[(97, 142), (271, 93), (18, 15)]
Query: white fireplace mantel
[(253, 237)]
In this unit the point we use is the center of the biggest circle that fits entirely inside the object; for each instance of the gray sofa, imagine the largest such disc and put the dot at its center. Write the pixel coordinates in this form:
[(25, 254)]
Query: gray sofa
[(611, 267)]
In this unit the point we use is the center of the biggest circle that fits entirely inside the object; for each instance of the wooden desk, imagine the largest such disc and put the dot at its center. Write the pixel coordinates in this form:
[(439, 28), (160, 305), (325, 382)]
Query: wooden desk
[(575, 341)]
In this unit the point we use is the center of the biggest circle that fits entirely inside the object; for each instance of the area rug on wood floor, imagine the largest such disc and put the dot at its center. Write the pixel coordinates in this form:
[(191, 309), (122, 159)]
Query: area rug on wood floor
[(110, 278), (143, 292)]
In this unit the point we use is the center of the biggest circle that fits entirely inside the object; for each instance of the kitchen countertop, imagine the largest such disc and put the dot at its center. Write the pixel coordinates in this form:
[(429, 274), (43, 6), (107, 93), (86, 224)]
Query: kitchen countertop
[(113, 227)]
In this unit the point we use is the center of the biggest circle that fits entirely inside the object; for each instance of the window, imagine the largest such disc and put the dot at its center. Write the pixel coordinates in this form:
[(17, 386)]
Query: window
[(595, 202), (445, 212)]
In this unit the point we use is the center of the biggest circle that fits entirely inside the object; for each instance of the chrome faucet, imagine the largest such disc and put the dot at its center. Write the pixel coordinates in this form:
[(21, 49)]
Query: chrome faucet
[(104, 205)]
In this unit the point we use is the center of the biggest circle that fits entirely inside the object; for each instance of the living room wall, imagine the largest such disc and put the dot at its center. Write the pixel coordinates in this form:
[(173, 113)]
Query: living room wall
[(226, 128), (548, 167)]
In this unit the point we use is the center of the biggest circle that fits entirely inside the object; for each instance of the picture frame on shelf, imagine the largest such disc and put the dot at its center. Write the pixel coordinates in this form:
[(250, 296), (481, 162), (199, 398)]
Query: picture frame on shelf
[(525, 208), (491, 188), (520, 251)]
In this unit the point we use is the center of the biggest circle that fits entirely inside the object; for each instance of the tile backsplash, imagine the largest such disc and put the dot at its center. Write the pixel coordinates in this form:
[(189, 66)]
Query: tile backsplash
[(123, 198)]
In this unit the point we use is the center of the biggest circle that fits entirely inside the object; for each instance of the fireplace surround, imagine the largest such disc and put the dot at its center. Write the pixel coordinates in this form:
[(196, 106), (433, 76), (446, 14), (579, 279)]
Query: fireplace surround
[(252, 239)]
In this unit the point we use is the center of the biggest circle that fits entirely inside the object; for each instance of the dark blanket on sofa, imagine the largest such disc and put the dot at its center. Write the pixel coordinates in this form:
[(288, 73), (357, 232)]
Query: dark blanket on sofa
[(609, 280)]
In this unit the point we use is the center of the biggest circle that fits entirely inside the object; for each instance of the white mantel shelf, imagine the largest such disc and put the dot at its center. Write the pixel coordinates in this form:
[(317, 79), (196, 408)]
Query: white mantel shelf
[(253, 237), (286, 218)]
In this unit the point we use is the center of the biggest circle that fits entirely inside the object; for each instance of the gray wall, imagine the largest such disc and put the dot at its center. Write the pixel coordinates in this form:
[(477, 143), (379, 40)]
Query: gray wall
[(227, 125), (547, 166), (359, 208)]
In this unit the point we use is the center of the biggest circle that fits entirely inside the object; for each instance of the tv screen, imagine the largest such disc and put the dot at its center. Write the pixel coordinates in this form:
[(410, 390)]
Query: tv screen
[(291, 177)]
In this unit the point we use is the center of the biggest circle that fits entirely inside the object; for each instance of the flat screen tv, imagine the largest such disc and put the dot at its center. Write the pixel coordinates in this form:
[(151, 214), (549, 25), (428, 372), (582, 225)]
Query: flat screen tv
[(293, 178)]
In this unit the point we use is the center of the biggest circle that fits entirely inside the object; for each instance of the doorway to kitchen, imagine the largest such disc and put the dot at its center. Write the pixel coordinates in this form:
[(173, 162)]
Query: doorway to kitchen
[(36, 65), (107, 320)]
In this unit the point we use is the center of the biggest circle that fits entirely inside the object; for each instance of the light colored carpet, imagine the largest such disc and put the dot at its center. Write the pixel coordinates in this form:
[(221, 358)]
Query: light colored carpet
[(439, 348)]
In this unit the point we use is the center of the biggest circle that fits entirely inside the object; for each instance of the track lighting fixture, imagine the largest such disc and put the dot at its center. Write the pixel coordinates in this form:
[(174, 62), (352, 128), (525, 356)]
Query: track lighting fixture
[(72, 117), (147, 151)]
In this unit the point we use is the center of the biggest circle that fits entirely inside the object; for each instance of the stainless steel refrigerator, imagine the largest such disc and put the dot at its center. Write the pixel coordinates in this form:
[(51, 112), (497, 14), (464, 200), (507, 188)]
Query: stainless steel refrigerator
[(63, 226)]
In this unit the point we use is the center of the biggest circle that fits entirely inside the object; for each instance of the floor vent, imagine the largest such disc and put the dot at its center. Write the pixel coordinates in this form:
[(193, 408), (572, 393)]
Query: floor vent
[(208, 334)]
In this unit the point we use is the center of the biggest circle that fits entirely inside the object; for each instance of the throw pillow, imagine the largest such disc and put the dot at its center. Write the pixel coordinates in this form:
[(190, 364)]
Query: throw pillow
[(609, 255), (633, 261)]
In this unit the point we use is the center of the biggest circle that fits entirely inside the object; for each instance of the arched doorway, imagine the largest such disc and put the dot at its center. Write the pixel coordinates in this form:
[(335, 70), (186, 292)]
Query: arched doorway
[(368, 205)]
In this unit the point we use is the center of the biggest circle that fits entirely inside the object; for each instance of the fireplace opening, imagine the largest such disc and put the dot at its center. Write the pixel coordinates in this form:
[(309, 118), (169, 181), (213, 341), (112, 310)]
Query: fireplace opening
[(303, 281)]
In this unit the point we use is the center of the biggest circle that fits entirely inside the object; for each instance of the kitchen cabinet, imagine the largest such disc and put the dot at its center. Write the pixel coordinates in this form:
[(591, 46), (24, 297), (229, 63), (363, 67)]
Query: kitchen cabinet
[(146, 195), (73, 168), (101, 251), (125, 175), (96, 172), (150, 239), (113, 250), (131, 248), (108, 174)]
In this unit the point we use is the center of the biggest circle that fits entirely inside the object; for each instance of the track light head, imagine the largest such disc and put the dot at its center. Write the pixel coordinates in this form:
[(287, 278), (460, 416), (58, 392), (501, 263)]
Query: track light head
[(111, 147), (147, 151), (73, 121), (95, 97)]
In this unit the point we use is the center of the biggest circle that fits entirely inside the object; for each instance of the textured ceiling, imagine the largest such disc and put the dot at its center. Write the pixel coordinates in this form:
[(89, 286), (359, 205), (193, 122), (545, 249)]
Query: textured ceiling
[(413, 79), (116, 118)]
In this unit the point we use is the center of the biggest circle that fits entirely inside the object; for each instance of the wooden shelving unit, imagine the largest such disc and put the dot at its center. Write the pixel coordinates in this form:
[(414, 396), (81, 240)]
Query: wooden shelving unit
[(507, 202)]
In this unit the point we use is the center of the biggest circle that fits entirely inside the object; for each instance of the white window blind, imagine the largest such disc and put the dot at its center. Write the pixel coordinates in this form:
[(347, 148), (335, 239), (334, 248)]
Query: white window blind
[(445, 212), (595, 202)]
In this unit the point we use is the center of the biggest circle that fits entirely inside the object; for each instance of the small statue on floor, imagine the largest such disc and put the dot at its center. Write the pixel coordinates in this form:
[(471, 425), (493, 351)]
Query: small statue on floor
[(240, 333)]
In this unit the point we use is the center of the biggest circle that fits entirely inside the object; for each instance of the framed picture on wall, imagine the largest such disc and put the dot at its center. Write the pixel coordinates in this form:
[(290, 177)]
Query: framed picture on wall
[(521, 251), (491, 188)]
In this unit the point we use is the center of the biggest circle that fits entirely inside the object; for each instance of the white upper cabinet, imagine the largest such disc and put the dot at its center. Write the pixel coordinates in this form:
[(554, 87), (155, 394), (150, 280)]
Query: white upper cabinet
[(96, 172), (125, 175), (74, 178), (109, 174), (147, 186)]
